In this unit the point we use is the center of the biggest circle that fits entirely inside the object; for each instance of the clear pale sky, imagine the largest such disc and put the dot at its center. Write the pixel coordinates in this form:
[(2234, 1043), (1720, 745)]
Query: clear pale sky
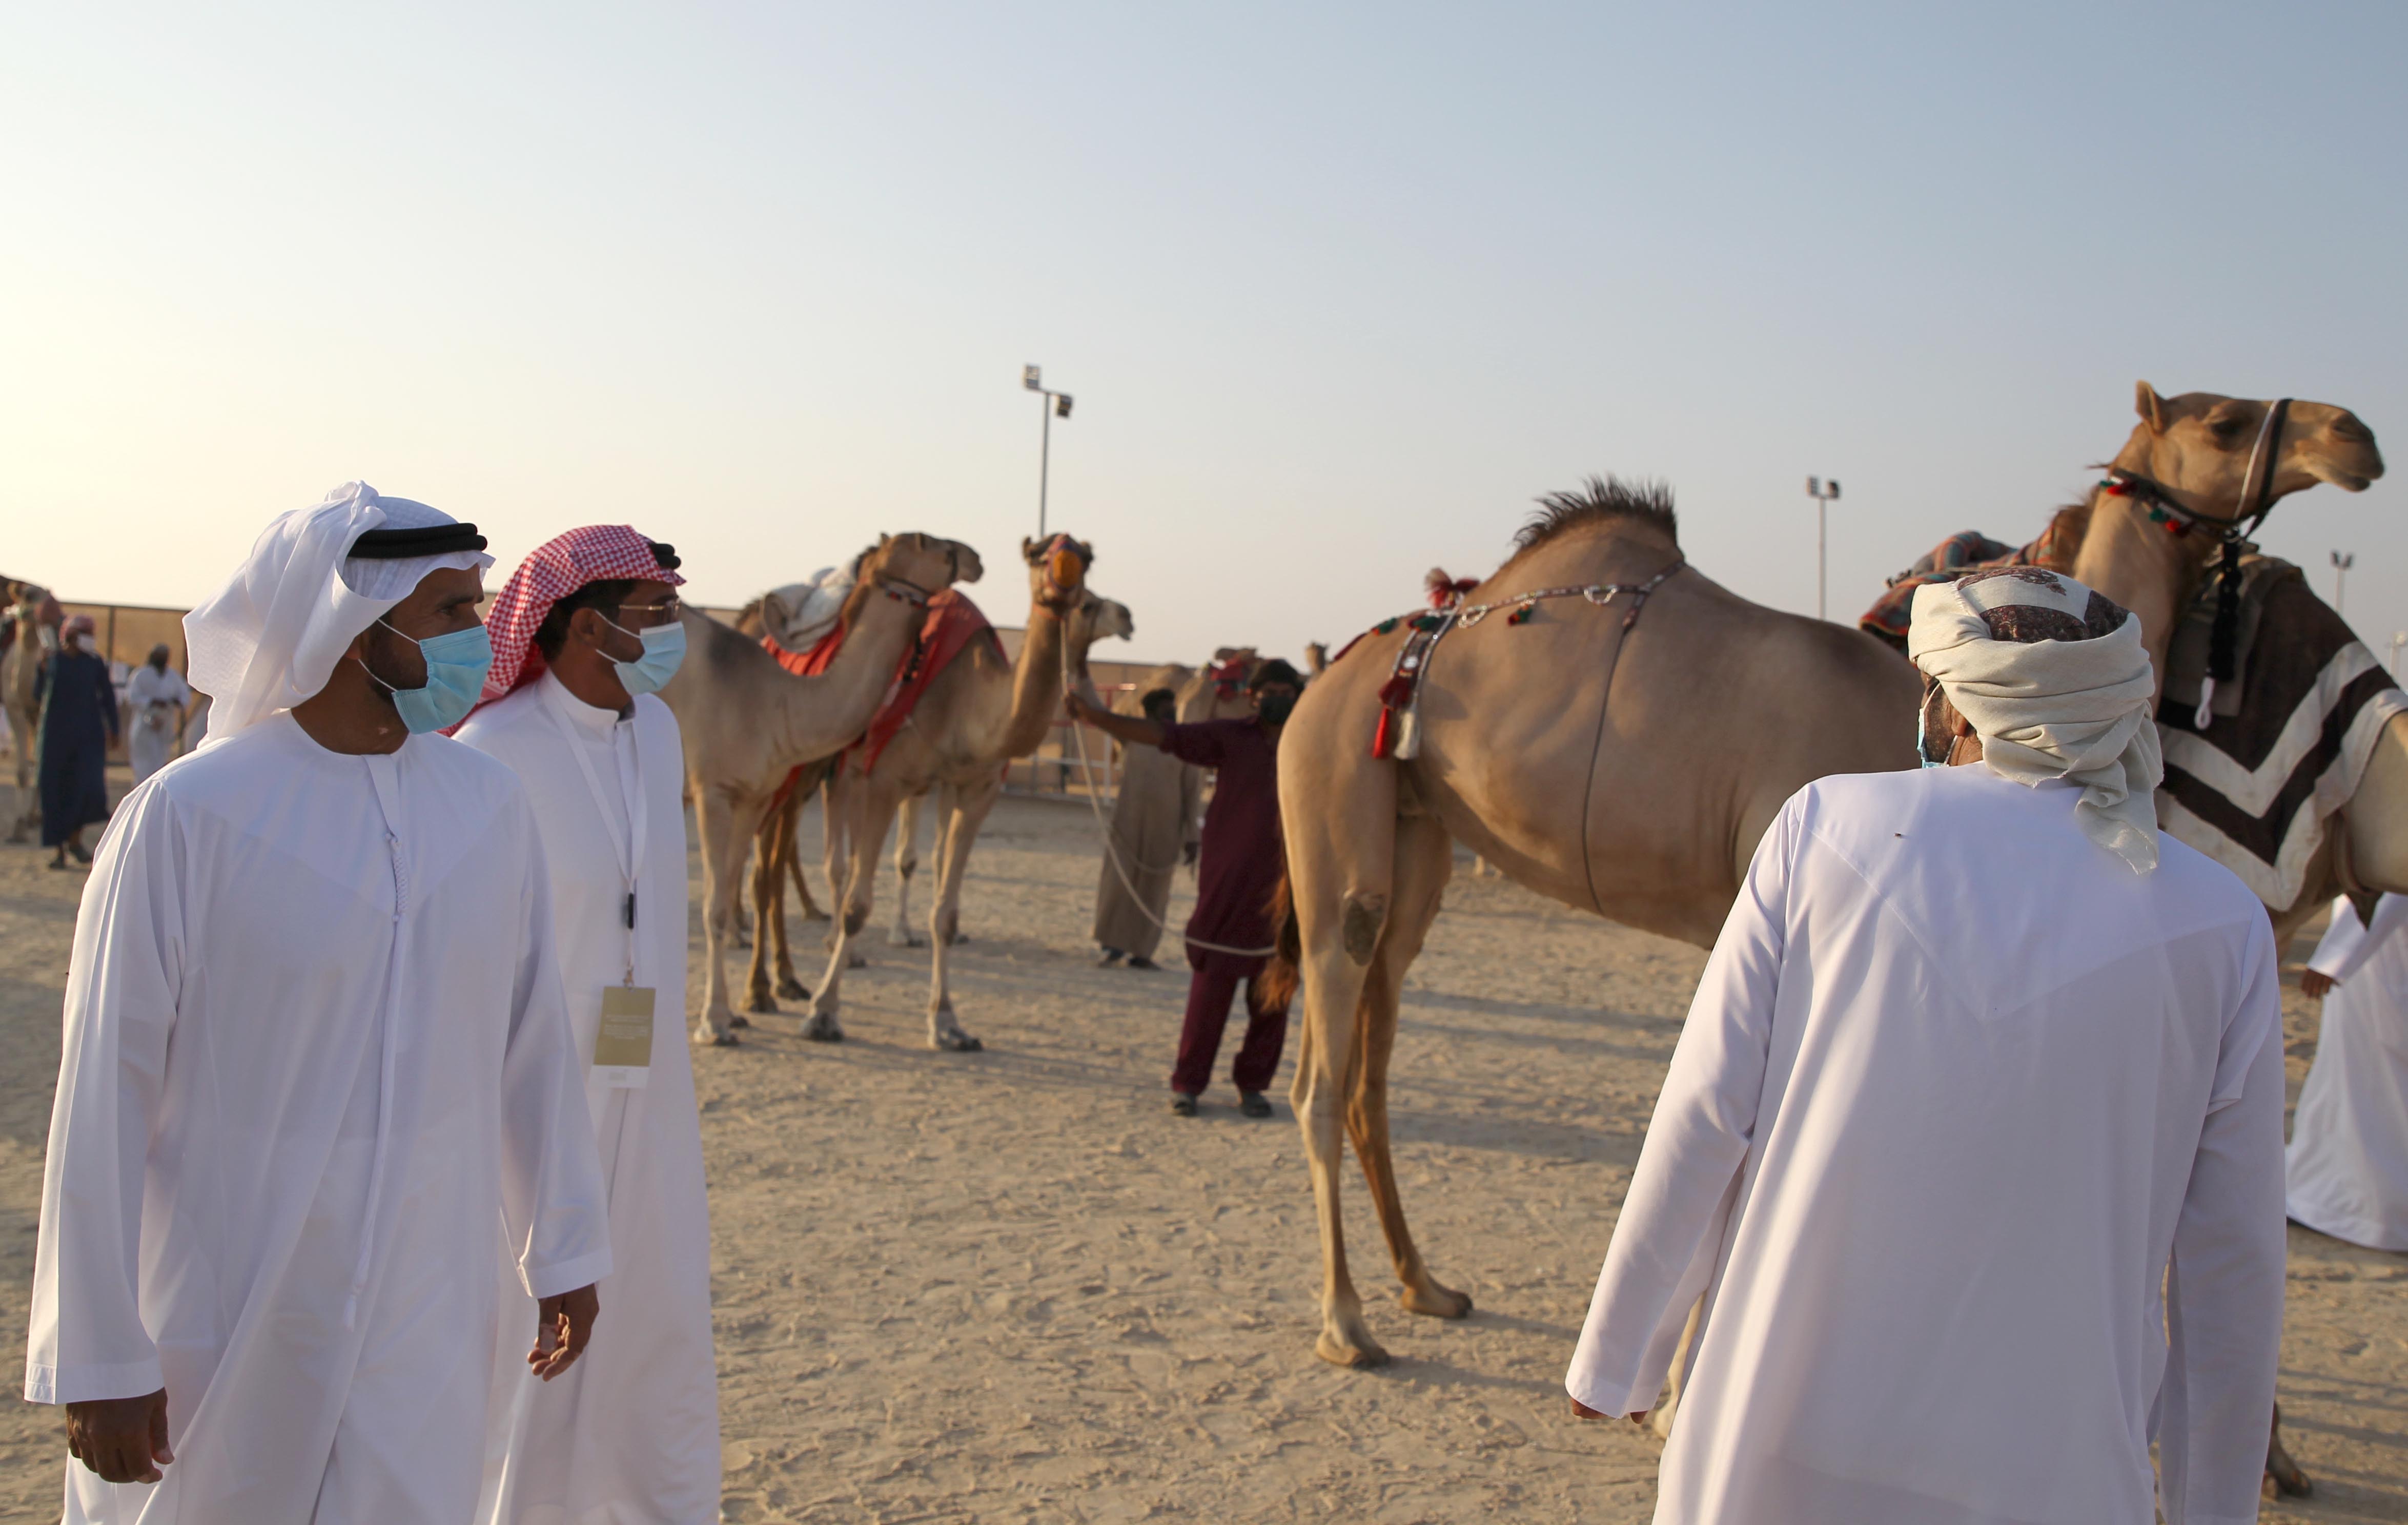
[(1337, 289)]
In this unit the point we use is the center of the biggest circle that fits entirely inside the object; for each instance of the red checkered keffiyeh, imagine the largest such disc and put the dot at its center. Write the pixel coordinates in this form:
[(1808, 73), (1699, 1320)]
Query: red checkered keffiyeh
[(551, 572)]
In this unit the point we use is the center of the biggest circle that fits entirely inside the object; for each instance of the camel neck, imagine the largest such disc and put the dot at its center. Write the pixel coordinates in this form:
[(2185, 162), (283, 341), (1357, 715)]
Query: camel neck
[(1036, 684), (819, 715)]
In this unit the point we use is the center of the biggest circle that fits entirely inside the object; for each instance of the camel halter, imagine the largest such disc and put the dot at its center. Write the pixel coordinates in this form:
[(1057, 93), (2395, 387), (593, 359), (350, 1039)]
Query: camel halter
[(905, 592), (2256, 502)]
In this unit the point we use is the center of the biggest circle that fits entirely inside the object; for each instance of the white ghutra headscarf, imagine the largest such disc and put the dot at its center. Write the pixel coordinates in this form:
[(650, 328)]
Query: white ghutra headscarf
[(2053, 678), (271, 636)]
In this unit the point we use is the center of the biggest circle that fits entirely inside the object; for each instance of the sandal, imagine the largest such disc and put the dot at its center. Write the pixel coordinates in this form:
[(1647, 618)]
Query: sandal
[(1182, 1104), (1253, 1104)]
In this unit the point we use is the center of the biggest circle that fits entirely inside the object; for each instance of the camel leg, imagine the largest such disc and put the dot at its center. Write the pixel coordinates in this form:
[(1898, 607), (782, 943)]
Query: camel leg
[(1667, 1402), (768, 913), (790, 816), (835, 849), (956, 834), (870, 805), (907, 862), (1340, 815), (806, 905), (727, 827), (1424, 860), (2289, 1481)]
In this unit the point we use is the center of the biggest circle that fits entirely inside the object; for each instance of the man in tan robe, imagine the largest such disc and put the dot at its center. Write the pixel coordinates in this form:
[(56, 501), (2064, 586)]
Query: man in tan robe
[(1155, 827)]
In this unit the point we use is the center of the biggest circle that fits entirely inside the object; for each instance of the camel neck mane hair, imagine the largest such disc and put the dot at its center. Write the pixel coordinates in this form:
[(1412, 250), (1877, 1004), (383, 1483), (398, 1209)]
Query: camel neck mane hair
[(1600, 504)]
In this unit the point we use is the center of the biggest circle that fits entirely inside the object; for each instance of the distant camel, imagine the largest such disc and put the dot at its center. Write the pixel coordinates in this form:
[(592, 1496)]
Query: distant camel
[(977, 715), (748, 722)]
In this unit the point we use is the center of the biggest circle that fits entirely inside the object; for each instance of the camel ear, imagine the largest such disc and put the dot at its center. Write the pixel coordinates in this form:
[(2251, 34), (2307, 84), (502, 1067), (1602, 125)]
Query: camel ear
[(1027, 549), (2151, 409)]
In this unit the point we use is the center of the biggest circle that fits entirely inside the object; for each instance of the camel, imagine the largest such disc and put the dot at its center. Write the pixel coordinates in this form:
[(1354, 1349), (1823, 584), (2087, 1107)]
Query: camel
[(977, 714), (2195, 449), (1316, 659), (1505, 746), (748, 722), (33, 629)]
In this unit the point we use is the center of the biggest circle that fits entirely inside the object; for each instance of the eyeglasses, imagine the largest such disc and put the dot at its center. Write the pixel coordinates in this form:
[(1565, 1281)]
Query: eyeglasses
[(654, 613)]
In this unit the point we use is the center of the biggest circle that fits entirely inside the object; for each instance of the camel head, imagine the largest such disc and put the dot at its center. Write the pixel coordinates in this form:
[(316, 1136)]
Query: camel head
[(1057, 571), (1316, 658), (921, 560), (2197, 447)]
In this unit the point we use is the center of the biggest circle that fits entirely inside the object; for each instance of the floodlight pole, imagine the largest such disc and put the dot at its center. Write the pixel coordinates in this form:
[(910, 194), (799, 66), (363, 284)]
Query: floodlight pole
[(1824, 494), (1048, 403), (2399, 639), (2342, 563)]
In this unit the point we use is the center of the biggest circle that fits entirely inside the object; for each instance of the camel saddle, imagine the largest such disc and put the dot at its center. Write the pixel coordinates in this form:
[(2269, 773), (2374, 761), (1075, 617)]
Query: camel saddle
[(1967, 551), (953, 622)]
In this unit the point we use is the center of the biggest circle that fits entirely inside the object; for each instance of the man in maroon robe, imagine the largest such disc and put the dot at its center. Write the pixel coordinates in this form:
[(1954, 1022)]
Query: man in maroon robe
[(1230, 935)]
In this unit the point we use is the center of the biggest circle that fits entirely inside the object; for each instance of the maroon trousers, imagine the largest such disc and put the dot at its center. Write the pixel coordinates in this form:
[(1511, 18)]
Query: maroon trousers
[(1210, 990)]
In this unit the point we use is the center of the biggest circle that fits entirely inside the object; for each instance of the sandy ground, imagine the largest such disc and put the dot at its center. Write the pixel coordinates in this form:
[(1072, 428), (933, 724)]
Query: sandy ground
[(1011, 1286)]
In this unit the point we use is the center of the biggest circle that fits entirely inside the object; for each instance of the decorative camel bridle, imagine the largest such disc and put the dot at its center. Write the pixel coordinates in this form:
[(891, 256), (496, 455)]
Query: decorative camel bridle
[(1066, 575), (2256, 502)]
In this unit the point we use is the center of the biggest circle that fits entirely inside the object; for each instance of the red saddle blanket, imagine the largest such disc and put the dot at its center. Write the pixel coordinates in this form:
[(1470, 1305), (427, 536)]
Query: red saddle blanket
[(953, 622)]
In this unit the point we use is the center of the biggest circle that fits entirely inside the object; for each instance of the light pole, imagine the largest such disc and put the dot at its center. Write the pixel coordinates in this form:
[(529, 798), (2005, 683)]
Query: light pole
[(1055, 405), (1824, 494), (2399, 639), (2340, 564)]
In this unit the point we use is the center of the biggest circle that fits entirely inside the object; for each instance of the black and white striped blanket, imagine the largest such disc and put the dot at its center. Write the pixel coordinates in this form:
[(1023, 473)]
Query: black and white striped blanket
[(2287, 740)]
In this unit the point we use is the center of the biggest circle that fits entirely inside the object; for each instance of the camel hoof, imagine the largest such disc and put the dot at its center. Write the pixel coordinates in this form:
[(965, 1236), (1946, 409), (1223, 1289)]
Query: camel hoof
[(858, 960), (726, 1040), (822, 1028), (958, 1043), (1437, 1302), (791, 990), (904, 939), (1339, 1353), (960, 937), (740, 1020), (761, 1004), (815, 914)]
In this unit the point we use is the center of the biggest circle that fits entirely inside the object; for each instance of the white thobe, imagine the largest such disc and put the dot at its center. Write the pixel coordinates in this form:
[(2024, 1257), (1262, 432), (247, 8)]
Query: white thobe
[(316, 1066), (2347, 1165), (152, 739), (630, 1433), (1957, 1090)]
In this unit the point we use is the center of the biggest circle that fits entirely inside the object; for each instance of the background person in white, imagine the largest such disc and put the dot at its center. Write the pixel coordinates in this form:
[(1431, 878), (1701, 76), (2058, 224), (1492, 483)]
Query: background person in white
[(1979, 1064), (157, 695), (583, 633), (2347, 1165), (315, 1060)]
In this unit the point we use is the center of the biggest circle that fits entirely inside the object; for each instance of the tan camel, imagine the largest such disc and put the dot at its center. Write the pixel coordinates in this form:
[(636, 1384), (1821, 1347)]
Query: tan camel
[(977, 714), (1627, 769), (34, 620), (748, 722), (1316, 659), (2195, 449)]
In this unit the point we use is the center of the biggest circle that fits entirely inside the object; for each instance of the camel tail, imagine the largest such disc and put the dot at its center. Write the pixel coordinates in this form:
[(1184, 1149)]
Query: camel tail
[(1279, 975)]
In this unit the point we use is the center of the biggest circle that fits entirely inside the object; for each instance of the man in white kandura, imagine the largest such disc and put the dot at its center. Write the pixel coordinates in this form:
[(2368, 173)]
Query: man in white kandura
[(583, 633), (317, 1064), (1972, 1143), (2348, 1160), (156, 693)]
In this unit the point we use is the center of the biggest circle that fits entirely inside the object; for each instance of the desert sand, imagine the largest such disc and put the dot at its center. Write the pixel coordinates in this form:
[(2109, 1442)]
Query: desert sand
[(1011, 1286)]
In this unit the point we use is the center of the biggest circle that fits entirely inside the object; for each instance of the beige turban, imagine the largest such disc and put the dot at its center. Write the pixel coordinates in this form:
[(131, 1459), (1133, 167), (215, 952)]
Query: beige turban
[(2053, 678)]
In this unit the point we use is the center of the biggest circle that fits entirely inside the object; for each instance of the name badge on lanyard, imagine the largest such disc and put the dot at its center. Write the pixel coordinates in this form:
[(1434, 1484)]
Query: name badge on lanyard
[(622, 1038)]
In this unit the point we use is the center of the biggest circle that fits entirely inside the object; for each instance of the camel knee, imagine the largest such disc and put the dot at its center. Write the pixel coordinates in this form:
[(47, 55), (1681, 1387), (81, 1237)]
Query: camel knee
[(1359, 923)]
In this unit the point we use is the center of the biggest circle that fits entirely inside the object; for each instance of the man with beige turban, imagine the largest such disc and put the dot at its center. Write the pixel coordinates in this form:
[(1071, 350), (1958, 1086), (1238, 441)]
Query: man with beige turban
[(1973, 1142)]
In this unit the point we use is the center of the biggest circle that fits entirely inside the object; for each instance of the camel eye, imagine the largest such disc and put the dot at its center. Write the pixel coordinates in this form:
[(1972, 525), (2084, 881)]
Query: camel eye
[(2226, 426)]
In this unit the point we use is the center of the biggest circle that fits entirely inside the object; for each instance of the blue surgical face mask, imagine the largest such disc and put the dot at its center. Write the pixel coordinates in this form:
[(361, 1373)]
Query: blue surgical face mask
[(664, 649), (457, 664)]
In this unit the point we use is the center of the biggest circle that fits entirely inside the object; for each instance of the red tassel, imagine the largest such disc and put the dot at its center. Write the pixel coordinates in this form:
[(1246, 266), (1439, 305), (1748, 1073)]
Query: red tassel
[(1397, 691), (1383, 741)]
